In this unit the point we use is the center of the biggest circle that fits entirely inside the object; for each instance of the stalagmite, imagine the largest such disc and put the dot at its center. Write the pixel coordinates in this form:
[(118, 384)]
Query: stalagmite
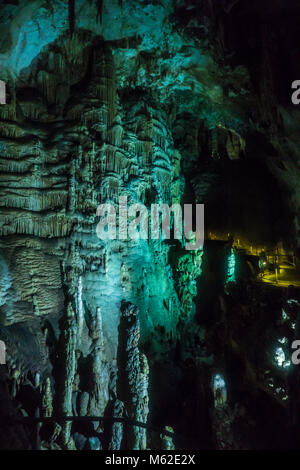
[(79, 309), (117, 428), (99, 369), (67, 365), (133, 372), (47, 398), (167, 441)]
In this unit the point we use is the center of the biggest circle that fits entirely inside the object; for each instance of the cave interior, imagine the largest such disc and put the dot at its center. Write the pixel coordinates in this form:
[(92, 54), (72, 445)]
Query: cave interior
[(143, 343)]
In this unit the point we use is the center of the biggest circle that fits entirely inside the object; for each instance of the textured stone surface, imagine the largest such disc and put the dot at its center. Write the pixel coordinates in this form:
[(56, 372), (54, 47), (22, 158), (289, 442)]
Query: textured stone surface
[(162, 102)]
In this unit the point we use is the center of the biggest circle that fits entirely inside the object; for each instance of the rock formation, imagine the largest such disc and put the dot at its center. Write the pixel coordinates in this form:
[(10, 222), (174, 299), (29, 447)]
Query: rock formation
[(162, 102)]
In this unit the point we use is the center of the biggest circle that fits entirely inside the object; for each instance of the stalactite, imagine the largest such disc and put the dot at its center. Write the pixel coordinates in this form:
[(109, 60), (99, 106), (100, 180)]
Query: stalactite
[(214, 143), (48, 84), (99, 5), (71, 12), (235, 145), (115, 135), (73, 51), (72, 187), (37, 201), (79, 157), (9, 111), (107, 85), (11, 131), (92, 163), (52, 226)]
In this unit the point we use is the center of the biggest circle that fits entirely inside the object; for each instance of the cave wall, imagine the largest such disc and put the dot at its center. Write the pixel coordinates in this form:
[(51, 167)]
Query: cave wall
[(157, 101)]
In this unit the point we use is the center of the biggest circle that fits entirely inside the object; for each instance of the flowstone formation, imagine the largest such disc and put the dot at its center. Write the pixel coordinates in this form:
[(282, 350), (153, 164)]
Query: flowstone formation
[(162, 102)]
